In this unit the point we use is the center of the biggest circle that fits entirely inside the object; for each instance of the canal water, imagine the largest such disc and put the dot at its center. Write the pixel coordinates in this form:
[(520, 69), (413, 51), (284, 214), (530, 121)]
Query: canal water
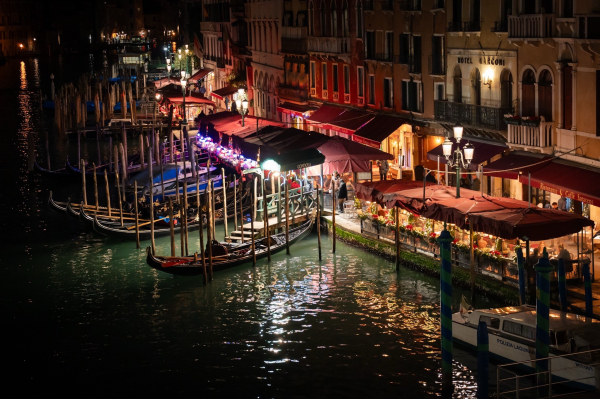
[(83, 313)]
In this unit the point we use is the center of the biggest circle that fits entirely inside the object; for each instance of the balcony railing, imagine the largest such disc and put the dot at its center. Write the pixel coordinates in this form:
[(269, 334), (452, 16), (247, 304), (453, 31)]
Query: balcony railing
[(531, 136), (472, 26), (333, 45), (530, 26), (387, 5), (414, 64), (500, 26), (409, 5), (401, 59), (437, 65), (470, 114)]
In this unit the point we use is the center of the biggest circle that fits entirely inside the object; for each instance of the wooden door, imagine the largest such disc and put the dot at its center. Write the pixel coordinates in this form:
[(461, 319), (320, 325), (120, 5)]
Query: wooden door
[(528, 100)]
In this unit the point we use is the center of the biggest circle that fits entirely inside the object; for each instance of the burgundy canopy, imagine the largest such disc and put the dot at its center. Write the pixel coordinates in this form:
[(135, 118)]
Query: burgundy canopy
[(375, 190), (515, 163), (412, 200), (534, 223)]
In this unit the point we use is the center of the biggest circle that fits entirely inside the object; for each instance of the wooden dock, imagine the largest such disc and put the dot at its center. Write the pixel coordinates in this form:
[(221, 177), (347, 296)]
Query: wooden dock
[(259, 228)]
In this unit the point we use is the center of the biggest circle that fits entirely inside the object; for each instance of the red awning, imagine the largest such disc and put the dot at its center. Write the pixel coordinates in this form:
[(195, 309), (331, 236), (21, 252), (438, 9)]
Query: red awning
[(325, 114), (224, 92), (375, 190), (199, 75), (350, 120), (379, 128), (567, 179), (483, 152), (346, 156), (516, 163), (294, 109), (412, 200)]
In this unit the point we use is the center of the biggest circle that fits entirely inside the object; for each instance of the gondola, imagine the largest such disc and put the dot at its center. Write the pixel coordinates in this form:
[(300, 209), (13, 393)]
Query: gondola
[(74, 213), (63, 172), (238, 254), (57, 207)]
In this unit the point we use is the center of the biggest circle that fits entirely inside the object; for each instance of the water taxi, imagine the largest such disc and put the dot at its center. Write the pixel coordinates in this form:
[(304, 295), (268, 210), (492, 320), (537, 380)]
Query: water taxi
[(512, 330)]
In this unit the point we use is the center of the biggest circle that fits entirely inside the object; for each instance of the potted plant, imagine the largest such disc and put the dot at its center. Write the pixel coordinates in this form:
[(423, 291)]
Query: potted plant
[(511, 119), (531, 121)]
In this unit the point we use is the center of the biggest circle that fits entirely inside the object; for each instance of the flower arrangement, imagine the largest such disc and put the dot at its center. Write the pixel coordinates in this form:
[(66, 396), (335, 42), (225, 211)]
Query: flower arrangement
[(462, 247), (530, 120), (492, 255), (512, 119), (357, 204), (432, 238)]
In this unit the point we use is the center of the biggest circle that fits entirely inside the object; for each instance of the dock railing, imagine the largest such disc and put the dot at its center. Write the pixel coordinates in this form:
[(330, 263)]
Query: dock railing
[(527, 384), (301, 202)]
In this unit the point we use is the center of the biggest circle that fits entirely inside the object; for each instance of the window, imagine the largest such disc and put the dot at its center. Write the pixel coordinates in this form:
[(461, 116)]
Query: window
[(492, 322), (388, 93), (437, 56), (359, 20), (346, 79), (456, 14), (518, 329), (404, 48), (439, 91), (313, 78), (333, 11), (411, 98), (361, 81), (311, 19), (324, 77), (335, 78), (371, 89), (323, 18), (567, 9), (389, 45), (370, 45), (345, 19)]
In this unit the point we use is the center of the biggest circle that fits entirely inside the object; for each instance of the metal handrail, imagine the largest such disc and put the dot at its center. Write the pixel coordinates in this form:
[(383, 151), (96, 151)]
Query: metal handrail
[(516, 377)]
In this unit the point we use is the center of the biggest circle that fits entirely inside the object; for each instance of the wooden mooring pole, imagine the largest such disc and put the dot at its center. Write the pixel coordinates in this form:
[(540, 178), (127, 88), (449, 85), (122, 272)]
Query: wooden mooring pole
[(241, 208), (223, 182), (172, 226), (184, 217), (201, 227), (266, 219), (120, 197), (209, 231), (318, 224), (151, 199), (137, 220), (107, 193), (95, 187), (333, 206), (287, 217), (252, 226), (83, 186)]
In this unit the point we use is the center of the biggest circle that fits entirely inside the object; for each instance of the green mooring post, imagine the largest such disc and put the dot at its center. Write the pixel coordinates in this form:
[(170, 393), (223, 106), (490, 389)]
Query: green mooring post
[(542, 330), (587, 283), (522, 282), (446, 309)]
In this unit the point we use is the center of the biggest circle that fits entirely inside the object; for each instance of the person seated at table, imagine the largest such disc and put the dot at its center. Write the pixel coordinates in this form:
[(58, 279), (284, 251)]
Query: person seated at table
[(534, 257), (566, 256), (554, 205)]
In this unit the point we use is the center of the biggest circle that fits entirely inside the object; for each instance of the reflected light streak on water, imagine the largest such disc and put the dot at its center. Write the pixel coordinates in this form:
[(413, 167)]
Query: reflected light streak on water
[(87, 312)]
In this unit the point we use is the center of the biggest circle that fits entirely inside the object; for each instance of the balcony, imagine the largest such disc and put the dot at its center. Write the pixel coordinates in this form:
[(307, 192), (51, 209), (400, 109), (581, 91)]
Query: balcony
[(330, 45), (292, 93), (537, 138), (414, 64), (409, 5), (436, 66), (470, 114), (500, 27), (530, 26)]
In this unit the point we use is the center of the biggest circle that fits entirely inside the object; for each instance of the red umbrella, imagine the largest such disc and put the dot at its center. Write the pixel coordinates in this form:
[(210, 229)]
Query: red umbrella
[(346, 156), (414, 199)]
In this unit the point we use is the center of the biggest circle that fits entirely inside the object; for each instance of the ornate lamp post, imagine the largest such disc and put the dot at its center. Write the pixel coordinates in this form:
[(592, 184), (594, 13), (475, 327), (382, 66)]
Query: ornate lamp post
[(183, 84), (242, 105), (458, 159)]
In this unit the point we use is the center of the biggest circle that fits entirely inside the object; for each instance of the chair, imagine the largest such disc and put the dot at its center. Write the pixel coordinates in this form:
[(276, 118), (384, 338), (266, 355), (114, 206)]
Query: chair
[(349, 210)]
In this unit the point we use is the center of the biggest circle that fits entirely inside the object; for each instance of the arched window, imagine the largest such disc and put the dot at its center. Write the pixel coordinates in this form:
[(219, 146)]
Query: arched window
[(506, 89), (359, 19), (545, 95), (333, 11), (457, 81), (345, 19), (475, 87), (528, 93), (323, 19), (311, 19)]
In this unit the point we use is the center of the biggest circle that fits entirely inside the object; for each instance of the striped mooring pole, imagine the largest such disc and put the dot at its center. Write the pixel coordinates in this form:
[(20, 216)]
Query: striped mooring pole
[(446, 309), (587, 283), (483, 361), (562, 285), (542, 341), (522, 282)]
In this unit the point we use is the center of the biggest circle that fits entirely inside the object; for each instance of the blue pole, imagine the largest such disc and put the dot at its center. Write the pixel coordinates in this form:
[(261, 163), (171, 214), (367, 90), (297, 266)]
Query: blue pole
[(446, 309), (587, 282), (542, 330), (562, 285), (483, 361), (522, 282)]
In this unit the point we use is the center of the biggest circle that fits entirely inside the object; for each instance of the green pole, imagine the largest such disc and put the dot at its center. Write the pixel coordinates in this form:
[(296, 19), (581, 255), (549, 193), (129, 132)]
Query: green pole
[(446, 309), (542, 330)]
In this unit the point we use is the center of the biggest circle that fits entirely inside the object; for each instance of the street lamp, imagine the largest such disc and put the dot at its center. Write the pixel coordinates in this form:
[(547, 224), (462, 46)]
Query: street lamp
[(458, 159), (242, 105), (183, 84)]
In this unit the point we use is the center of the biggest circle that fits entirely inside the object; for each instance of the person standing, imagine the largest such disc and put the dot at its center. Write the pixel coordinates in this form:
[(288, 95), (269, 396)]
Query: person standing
[(342, 194), (384, 167), (562, 204)]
